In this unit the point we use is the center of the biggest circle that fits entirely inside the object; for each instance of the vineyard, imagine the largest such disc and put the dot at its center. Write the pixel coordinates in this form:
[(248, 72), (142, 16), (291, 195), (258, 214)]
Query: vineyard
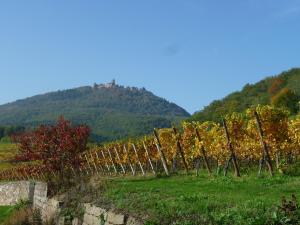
[(264, 138), (8, 152)]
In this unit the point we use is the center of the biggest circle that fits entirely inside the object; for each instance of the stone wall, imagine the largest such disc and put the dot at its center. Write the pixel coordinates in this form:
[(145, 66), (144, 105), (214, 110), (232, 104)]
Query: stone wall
[(13, 192), (99, 216), (40, 195), (50, 208)]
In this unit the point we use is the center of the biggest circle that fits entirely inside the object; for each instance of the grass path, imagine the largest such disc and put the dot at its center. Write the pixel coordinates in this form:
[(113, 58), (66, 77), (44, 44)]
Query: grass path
[(197, 200), (5, 211)]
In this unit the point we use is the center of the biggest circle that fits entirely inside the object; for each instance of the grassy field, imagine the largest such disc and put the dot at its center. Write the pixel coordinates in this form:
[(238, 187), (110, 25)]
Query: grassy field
[(5, 211), (189, 200)]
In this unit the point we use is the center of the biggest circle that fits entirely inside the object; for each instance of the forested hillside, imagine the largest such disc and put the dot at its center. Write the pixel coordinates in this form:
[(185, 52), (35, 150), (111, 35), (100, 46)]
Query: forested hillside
[(112, 111), (282, 90)]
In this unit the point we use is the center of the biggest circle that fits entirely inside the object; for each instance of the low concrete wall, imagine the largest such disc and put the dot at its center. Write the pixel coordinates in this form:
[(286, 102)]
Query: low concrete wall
[(13, 192)]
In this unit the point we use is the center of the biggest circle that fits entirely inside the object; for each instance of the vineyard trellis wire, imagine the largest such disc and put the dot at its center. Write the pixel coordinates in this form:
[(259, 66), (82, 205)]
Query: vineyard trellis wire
[(261, 136)]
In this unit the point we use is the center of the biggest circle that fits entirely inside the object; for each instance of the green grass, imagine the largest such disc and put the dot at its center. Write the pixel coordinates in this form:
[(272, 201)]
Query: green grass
[(5, 211), (202, 200)]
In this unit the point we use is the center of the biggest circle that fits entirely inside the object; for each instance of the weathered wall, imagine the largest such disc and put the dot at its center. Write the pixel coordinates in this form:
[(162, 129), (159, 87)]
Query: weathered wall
[(50, 208), (96, 215), (12, 192), (40, 194)]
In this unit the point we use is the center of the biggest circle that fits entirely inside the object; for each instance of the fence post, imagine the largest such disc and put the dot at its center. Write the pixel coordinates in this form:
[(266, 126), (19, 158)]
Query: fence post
[(202, 149), (229, 144), (86, 158), (129, 160), (118, 157), (162, 155), (266, 156), (149, 158), (138, 158), (179, 148), (112, 161), (94, 164), (99, 162), (106, 164)]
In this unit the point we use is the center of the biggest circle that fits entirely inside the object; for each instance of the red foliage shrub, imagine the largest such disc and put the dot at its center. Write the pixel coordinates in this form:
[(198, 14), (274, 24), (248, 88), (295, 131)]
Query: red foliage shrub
[(55, 146)]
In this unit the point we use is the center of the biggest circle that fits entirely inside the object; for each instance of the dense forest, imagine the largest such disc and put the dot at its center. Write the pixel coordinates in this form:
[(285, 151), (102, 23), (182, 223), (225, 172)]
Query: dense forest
[(282, 90), (112, 111)]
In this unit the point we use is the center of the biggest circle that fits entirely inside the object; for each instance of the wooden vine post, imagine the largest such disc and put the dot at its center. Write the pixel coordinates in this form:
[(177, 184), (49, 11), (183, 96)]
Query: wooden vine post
[(129, 160), (179, 149), (83, 171), (138, 158), (112, 161), (265, 156), (149, 158), (99, 162), (202, 149), (73, 171), (106, 164), (161, 153), (119, 159), (94, 164), (87, 160), (230, 147)]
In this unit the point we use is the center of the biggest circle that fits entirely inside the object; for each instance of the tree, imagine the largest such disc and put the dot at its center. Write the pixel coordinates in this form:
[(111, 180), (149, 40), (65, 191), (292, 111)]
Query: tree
[(55, 146), (276, 85), (2, 129), (286, 98)]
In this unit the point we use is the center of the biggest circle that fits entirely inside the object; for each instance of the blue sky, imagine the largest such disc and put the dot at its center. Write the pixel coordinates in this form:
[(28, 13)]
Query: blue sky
[(187, 51)]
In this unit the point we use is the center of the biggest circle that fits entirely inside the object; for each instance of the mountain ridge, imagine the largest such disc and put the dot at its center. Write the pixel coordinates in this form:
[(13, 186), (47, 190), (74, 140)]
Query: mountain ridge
[(281, 90), (112, 111)]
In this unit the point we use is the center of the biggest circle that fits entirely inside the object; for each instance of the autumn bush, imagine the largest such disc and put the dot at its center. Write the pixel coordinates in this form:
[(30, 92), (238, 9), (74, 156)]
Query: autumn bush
[(55, 148)]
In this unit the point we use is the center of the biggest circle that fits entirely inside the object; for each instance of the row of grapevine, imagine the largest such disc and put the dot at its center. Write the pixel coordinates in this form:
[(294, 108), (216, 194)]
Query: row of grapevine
[(261, 136)]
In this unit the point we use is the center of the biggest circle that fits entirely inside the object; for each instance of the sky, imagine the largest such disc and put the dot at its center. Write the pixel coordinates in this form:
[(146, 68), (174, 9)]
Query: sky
[(189, 52)]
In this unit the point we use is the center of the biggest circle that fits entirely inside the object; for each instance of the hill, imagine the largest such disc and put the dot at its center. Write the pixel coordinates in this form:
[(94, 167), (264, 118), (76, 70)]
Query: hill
[(282, 90), (111, 110)]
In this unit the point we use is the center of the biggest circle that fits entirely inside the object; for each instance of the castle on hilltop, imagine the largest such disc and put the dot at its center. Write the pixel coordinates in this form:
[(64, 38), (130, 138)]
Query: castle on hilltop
[(111, 84)]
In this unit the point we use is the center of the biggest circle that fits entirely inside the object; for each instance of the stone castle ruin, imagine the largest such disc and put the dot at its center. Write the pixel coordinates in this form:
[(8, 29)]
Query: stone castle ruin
[(111, 84)]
